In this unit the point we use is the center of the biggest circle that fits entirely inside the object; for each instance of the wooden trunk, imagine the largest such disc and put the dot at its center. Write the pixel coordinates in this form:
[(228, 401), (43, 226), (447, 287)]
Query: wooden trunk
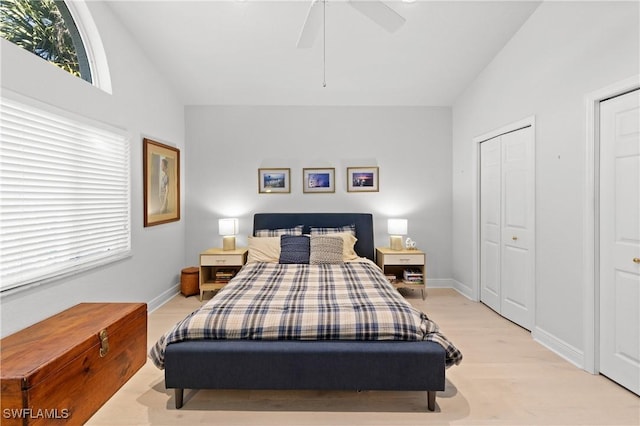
[(63, 369)]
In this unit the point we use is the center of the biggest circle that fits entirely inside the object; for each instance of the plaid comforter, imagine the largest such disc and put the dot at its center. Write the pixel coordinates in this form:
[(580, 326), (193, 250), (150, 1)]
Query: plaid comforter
[(268, 301)]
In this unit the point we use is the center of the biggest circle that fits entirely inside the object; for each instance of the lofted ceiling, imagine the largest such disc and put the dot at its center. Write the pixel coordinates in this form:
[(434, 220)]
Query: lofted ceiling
[(231, 52)]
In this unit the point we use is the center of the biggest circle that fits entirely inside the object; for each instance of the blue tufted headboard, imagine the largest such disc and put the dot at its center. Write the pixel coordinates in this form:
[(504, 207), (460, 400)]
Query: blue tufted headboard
[(363, 221)]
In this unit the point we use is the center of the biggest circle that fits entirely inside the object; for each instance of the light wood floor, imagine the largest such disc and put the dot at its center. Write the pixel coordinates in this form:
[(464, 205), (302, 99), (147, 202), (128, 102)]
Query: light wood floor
[(505, 378)]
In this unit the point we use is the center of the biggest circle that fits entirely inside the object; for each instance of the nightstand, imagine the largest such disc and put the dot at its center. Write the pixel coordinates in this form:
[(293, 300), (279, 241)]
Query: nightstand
[(404, 268), (218, 266)]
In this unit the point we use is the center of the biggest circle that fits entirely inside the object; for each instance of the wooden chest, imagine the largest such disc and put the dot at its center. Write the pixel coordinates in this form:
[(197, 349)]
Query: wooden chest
[(63, 369)]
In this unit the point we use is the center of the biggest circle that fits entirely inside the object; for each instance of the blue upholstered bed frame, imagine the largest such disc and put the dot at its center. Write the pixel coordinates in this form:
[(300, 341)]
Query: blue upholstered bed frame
[(327, 365)]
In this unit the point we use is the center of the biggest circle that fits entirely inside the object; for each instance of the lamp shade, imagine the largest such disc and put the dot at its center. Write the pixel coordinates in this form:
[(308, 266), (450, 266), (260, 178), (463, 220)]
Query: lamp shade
[(397, 226), (227, 226)]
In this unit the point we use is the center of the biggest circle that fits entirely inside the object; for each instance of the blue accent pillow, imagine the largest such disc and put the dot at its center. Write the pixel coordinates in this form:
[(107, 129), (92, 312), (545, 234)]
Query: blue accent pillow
[(294, 249)]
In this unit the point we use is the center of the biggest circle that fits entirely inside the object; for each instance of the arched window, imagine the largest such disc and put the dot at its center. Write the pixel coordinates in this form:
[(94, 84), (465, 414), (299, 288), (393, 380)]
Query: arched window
[(47, 29)]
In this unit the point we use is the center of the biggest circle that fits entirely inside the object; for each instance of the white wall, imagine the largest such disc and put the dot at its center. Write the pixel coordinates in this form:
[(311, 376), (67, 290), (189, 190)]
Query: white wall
[(564, 51), (412, 147), (142, 105)]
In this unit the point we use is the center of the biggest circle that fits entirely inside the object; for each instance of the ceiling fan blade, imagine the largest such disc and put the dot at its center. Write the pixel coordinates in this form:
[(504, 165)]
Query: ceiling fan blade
[(311, 26), (379, 13)]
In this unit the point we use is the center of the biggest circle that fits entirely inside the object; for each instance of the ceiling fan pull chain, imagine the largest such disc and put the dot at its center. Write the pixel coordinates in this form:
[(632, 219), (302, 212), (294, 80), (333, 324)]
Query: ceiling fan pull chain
[(324, 43)]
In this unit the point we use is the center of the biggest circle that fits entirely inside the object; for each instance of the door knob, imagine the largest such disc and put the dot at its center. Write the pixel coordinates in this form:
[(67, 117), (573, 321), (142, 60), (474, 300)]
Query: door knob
[(636, 260)]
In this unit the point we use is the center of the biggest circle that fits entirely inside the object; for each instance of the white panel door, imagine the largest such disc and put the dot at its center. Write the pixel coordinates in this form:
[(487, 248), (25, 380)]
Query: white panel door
[(506, 225), (490, 222), (517, 275), (620, 240)]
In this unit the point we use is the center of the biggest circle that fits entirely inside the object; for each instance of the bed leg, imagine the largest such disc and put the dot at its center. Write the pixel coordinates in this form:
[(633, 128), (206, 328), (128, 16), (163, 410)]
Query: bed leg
[(431, 400), (179, 394)]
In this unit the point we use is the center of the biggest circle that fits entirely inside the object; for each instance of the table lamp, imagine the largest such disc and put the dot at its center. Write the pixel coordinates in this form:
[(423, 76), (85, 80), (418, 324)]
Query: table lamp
[(228, 228), (396, 229)]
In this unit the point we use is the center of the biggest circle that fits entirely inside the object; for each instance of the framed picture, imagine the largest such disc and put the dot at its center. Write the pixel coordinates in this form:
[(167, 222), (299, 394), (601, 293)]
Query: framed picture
[(318, 180), (161, 171), (362, 179), (274, 181)]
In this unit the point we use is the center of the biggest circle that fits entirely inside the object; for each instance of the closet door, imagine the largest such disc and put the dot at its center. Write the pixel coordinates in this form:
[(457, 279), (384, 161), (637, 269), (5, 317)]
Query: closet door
[(517, 269), (620, 240), (490, 222), (507, 201)]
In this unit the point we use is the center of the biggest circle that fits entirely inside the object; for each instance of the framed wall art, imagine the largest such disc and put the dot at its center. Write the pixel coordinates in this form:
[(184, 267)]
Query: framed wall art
[(161, 174), (318, 180), (274, 181), (362, 179)]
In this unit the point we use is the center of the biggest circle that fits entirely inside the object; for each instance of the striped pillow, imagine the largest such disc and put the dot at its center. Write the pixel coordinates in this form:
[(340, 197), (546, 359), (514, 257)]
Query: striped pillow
[(294, 249), (324, 231), (325, 249), (296, 230)]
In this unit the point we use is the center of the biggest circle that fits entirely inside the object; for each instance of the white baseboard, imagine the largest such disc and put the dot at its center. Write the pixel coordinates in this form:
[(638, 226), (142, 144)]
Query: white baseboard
[(450, 283), (559, 347), (439, 283), (163, 298), (464, 290)]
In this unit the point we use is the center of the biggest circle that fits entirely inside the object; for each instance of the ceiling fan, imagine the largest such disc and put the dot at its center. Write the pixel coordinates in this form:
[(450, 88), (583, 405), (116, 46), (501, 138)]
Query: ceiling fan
[(375, 10)]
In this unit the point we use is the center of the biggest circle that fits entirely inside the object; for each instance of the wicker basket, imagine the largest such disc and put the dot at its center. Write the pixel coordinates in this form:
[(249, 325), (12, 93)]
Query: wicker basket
[(189, 281)]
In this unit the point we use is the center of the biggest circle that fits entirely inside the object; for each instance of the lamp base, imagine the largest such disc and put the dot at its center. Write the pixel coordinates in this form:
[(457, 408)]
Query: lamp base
[(395, 242), (229, 243)]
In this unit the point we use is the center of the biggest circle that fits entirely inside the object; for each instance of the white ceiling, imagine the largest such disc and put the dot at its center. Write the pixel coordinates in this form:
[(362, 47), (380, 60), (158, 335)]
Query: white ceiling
[(244, 52)]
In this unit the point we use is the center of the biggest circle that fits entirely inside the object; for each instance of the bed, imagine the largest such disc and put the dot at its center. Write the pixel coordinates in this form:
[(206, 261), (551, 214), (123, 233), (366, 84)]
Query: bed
[(200, 353)]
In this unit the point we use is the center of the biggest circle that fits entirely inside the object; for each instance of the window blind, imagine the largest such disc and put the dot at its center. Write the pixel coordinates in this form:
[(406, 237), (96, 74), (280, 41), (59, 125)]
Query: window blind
[(64, 195)]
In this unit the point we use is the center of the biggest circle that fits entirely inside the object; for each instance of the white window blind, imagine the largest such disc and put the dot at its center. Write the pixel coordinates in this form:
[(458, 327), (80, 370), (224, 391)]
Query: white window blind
[(64, 188)]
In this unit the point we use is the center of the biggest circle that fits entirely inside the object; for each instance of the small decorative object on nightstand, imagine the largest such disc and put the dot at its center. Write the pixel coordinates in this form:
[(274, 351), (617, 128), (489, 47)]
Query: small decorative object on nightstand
[(410, 244), (218, 266), (406, 266)]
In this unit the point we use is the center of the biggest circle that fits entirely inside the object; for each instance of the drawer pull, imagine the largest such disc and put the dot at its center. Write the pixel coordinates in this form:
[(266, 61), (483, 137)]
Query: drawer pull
[(104, 343), (221, 261)]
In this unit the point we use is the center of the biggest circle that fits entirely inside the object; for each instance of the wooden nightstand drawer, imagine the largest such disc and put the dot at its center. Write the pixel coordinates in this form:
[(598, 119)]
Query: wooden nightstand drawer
[(404, 259), (221, 260)]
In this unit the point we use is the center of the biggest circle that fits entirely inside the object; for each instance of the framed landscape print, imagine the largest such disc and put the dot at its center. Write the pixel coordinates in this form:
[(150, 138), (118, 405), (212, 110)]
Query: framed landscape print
[(362, 179), (161, 171), (274, 181), (318, 180)]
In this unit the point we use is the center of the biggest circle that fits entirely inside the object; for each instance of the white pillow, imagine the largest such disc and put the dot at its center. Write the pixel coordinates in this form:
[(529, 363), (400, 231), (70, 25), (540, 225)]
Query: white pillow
[(348, 243), (263, 249)]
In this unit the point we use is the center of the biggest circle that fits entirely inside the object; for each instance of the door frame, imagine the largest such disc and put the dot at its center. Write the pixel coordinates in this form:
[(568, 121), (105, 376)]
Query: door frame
[(591, 229), (475, 161)]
